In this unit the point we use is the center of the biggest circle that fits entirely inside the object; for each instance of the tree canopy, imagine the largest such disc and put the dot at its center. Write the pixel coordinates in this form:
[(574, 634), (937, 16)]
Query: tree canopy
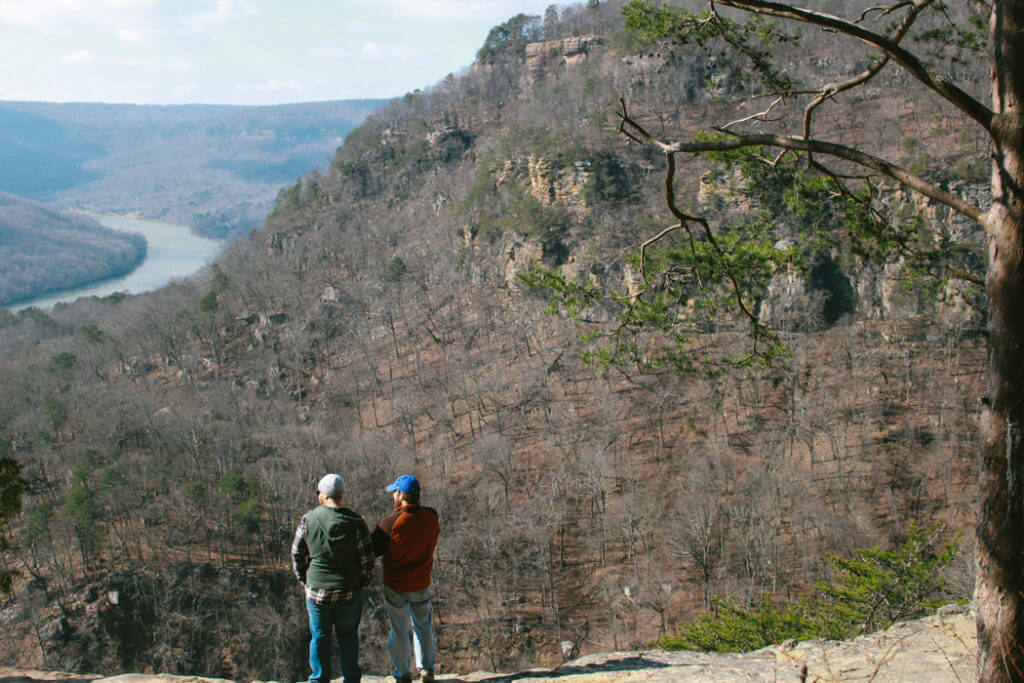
[(510, 38), (12, 485), (924, 38)]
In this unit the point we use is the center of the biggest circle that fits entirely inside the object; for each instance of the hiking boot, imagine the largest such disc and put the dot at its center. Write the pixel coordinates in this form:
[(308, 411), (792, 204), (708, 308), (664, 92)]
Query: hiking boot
[(407, 678), (427, 676)]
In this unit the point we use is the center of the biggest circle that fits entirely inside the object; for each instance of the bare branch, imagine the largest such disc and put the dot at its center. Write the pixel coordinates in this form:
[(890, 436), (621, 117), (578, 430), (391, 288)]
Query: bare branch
[(760, 116), (683, 218), (883, 10), (869, 207), (845, 191), (632, 123), (842, 176), (831, 89), (967, 276), (670, 199), (657, 238), (908, 60), (857, 156)]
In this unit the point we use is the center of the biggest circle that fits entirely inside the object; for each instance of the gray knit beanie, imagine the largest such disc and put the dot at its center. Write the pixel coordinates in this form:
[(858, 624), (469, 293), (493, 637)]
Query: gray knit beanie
[(331, 485)]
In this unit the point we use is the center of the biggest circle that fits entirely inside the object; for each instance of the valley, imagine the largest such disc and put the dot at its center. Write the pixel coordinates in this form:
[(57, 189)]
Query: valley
[(215, 170), (618, 442), (172, 252), (44, 250)]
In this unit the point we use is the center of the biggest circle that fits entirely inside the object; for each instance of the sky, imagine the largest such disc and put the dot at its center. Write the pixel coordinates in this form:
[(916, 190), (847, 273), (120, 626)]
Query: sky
[(238, 51)]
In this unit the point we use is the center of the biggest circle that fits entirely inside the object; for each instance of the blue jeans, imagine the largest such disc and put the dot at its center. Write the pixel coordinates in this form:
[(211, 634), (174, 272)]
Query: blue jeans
[(407, 610), (343, 618)]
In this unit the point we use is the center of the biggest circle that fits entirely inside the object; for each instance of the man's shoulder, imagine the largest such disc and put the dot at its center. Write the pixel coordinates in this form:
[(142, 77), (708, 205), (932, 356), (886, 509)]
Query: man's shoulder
[(389, 520), (416, 517), (328, 511), (351, 514)]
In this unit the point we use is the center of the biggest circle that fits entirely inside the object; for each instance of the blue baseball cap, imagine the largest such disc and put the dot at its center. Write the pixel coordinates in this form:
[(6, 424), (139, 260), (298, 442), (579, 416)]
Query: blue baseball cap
[(406, 484)]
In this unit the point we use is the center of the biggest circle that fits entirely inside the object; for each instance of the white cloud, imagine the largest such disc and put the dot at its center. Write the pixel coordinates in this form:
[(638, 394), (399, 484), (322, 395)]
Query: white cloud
[(175, 65), (47, 13), (459, 9), (327, 52), (156, 65), (78, 57), (128, 91), (131, 35), (224, 10), (393, 52), (271, 86)]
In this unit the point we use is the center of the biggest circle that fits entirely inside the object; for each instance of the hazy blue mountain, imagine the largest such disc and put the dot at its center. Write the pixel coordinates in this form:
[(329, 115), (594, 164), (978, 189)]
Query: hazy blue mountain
[(38, 155), (42, 250), (214, 167)]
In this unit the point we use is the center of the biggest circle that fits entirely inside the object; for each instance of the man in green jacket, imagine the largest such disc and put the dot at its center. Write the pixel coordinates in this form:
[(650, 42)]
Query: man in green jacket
[(332, 557)]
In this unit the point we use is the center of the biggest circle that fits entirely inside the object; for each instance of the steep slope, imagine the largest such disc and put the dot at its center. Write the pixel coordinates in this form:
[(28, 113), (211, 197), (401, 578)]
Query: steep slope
[(43, 250), (377, 325)]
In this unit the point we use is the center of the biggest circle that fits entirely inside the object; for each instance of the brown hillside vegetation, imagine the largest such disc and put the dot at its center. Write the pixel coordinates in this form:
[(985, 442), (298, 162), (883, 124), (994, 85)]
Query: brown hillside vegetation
[(937, 648), (376, 326)]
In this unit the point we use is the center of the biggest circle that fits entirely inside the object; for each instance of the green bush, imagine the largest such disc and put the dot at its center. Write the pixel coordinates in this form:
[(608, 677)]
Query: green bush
[(498, 210), (510, 38), (53, 413), (608, 180), (868, 592), (62, 362), (83, 509), (395, 269), (12, 485)]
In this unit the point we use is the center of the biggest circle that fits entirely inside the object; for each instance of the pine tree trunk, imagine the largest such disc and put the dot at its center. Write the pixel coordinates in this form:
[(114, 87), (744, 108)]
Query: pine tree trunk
[(1000, 588)]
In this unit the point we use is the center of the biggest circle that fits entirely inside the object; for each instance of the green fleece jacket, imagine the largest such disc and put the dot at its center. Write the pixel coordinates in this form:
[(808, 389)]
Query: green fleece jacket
[(337, 539)]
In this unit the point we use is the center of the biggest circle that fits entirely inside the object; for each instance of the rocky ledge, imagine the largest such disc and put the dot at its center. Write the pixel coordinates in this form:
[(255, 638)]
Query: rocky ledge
[(938, 648)]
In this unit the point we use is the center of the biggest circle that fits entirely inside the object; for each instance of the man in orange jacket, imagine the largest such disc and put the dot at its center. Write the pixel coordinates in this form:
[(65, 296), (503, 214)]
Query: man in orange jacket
[(405, 540)]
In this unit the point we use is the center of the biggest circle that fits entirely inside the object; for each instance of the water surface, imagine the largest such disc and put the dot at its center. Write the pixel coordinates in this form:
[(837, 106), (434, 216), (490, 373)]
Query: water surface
[(173, 252)]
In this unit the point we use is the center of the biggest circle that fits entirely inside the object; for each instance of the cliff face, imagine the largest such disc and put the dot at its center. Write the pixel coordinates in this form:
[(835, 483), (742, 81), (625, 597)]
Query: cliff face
[(548, 58), (831, 286), (838, 284)]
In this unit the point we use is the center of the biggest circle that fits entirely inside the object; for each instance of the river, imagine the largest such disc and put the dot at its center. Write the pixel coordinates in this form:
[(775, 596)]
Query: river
[(173, 252)]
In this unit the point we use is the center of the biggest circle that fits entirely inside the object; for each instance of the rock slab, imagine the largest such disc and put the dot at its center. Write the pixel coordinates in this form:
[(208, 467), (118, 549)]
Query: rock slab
[(938, 648)]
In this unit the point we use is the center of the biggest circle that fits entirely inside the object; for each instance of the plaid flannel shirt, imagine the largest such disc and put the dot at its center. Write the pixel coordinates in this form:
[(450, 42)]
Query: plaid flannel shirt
[(300, 563)]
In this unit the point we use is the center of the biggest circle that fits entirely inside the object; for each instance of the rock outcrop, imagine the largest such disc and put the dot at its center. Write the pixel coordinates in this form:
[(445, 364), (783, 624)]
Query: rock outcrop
[(833, 285), (553, 183), (548, 57), (937, 648)]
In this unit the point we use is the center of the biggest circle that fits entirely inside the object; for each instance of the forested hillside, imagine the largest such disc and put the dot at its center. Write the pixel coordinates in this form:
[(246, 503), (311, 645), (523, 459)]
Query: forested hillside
[(213, 168), (390, 317), (44, 250)]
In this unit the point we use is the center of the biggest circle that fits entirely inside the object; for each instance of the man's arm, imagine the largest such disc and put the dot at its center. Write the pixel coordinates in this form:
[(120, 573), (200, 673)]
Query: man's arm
[(381, 536), (300, 552), (365, 550)]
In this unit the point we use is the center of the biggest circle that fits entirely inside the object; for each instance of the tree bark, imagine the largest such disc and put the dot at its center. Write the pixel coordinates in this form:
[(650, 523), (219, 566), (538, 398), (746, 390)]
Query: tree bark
[(1000, 584)]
